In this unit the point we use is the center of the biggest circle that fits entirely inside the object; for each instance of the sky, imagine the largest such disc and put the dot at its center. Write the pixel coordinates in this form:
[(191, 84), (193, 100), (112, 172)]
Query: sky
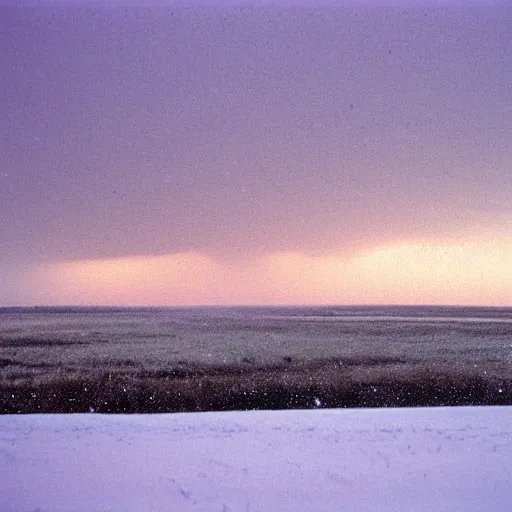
[(256, 154)]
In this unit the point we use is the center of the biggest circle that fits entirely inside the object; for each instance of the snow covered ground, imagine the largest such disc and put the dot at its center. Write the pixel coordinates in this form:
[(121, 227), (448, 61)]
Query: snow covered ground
[(314, 460)]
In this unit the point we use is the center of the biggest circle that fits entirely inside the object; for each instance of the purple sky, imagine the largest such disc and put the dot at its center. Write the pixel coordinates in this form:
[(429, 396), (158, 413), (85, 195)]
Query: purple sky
[(130, 131)]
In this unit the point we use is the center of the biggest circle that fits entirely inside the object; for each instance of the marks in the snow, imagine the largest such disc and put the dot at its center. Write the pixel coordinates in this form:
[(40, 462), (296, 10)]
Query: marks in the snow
[(385, 458), (185, 493), (501, 434), (227, 508), (7, 455), (228, 429), (221, 467), (335, 477)]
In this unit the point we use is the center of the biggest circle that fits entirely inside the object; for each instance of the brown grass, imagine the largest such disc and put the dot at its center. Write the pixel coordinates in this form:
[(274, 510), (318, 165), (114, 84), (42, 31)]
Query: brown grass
[(360, 382)]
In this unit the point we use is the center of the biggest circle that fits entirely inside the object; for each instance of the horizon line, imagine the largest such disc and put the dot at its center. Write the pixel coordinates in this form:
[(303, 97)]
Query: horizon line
[(247, 306)]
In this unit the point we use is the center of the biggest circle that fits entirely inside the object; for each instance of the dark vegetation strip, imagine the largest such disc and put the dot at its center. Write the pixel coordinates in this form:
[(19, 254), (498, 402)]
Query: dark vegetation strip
[(22, 342), (336, 383)]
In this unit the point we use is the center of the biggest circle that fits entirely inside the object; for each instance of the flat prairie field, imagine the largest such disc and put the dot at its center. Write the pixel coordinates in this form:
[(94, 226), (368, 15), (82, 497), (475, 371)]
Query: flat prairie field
[(136, 360)]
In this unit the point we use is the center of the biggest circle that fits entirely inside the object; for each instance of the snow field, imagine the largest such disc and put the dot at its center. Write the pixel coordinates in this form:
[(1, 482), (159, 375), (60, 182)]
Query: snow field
[(420, 459)]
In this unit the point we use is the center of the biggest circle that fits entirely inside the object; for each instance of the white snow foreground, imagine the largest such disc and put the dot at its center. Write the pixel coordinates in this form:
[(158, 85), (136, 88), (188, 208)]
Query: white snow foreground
[(316, 460)]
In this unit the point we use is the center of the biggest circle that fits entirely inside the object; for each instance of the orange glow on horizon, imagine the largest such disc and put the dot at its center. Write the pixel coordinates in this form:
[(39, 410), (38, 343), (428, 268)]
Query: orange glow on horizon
[(473, 272)]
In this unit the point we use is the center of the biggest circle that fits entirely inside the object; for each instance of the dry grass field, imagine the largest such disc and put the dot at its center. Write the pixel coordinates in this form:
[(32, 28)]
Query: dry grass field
[(135, 361)]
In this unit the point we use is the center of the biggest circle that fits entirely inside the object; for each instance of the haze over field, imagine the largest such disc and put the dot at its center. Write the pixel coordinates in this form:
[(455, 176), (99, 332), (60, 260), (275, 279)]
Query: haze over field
[(256, 155)]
